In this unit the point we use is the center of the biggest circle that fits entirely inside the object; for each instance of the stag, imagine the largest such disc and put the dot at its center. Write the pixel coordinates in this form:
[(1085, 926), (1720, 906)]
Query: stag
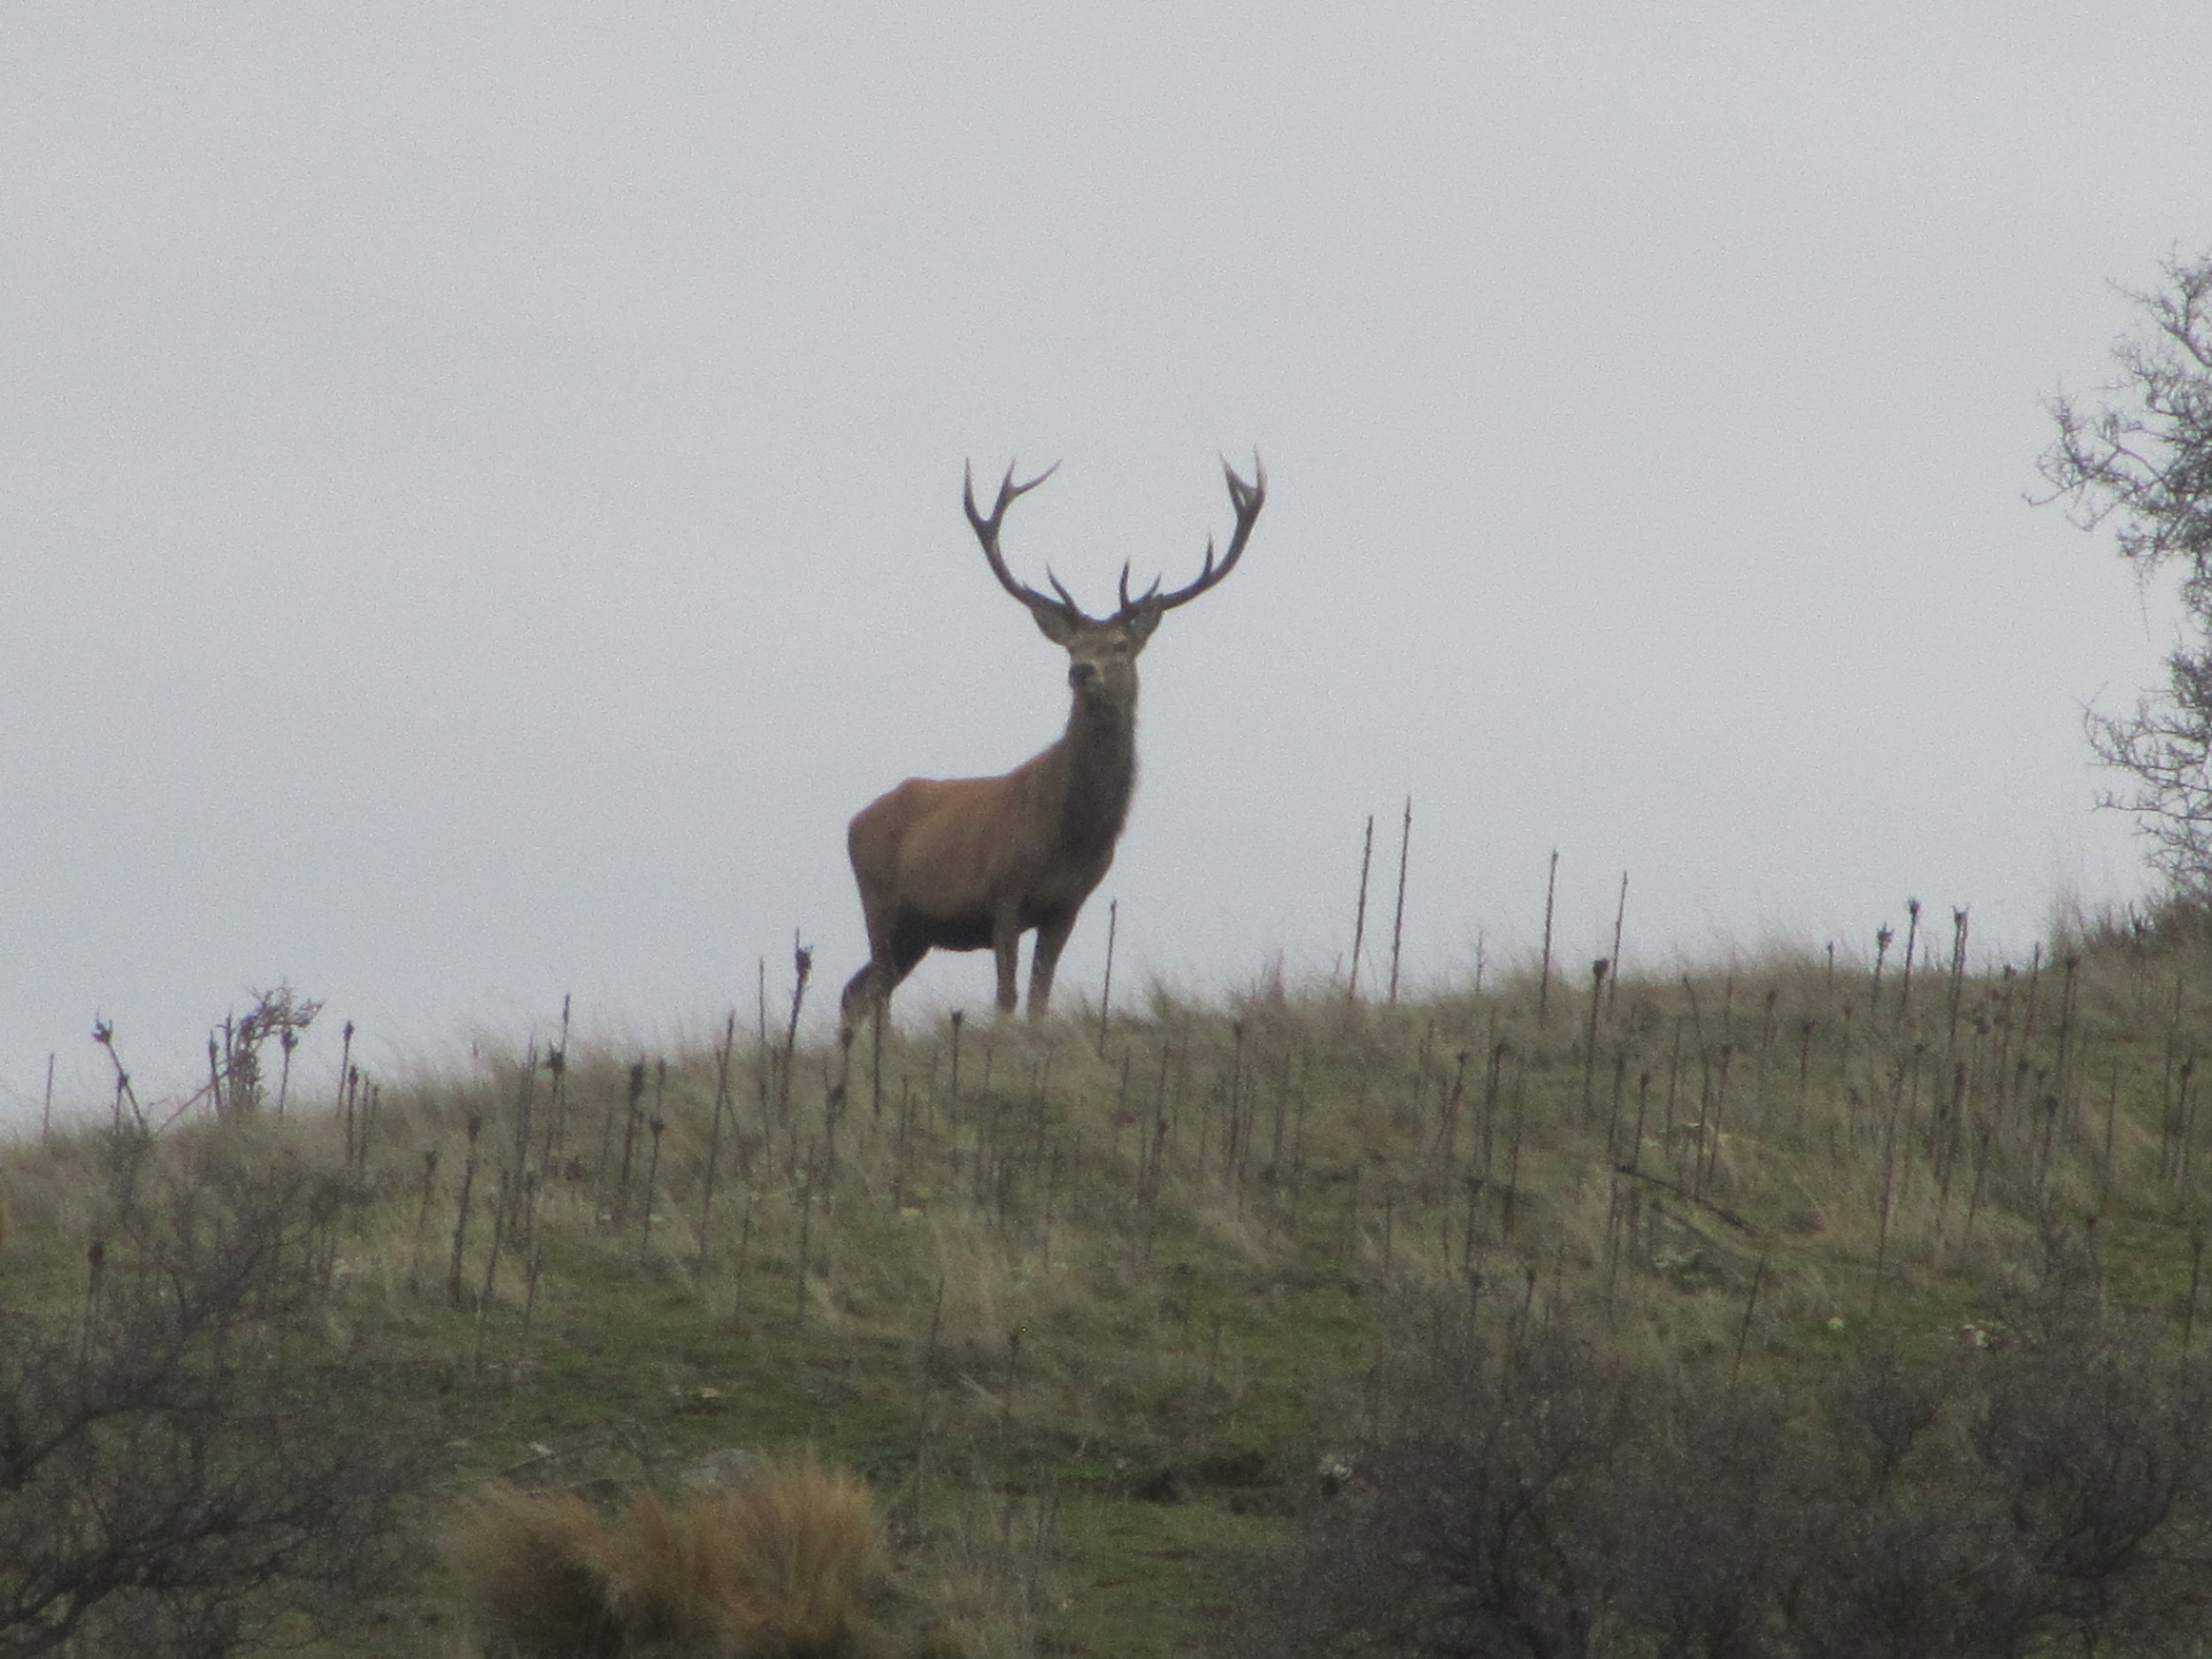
[(965, 863)]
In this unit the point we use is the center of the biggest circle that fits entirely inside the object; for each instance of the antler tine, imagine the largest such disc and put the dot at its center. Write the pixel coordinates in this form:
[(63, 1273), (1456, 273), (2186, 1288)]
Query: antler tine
[(1248, 499), (986, 532), (1066, 598), (1127, 604)]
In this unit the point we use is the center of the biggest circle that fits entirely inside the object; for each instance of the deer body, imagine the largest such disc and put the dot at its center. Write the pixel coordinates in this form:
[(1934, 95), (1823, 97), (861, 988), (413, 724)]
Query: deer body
[(968, 863)]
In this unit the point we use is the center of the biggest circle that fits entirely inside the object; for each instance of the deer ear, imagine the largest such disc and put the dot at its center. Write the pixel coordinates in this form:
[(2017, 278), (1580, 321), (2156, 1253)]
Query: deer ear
[(1053, 623), (1142, 621)]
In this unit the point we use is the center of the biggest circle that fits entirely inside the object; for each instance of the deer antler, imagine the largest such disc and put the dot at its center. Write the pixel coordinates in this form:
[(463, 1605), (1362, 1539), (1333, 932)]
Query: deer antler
[(1248, 499), (986, 532)]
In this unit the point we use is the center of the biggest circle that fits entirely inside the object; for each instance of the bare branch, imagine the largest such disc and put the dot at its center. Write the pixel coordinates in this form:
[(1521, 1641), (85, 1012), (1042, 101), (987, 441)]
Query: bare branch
[(2141, 461)]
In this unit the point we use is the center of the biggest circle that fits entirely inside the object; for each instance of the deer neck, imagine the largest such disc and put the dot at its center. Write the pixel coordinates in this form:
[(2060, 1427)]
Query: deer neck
[(1098, 767)]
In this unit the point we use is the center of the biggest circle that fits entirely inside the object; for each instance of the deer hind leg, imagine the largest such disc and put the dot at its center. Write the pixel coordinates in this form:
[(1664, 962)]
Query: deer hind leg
[(858, 999), (868, 989), (1052, 937), (896, 950)]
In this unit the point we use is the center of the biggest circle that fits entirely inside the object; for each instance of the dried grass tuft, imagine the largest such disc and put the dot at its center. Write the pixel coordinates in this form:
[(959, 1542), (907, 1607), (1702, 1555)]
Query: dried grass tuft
[(778, 1566)]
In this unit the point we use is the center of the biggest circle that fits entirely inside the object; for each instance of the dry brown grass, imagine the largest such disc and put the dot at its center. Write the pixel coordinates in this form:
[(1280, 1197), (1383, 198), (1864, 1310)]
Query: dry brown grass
[(778, 1566), (1208, 1230), (1676, 1132), (986, 1580)]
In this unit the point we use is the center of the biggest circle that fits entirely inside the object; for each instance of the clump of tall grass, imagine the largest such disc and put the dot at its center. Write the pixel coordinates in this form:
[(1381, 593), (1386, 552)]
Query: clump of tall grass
[(778, 1565)]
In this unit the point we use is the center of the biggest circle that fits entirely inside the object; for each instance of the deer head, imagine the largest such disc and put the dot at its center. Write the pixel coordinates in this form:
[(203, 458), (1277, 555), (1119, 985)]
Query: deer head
[(1103, 650)]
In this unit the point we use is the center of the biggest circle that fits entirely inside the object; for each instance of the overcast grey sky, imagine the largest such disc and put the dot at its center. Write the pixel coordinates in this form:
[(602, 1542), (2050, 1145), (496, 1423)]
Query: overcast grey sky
[(479, 485)]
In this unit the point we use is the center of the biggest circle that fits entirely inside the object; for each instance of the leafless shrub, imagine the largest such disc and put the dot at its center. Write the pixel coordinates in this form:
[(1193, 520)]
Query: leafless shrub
[(1878, 1411), (1700, 1576), (2104, 1464), (186, 1465), (1541, 1501), (1477, 1528)]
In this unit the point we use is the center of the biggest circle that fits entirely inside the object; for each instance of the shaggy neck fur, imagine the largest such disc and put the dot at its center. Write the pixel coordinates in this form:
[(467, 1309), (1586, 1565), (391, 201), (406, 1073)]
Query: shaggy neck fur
[(1099, 764)]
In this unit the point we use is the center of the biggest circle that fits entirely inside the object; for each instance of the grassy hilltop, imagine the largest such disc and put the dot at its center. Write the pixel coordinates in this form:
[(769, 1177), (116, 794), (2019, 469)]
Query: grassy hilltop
[(1092, 1310)]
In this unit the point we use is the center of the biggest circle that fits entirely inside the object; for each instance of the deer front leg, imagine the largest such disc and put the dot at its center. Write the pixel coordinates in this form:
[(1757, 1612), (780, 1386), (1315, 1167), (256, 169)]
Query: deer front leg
[(1006, 938), (1052, 936)]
